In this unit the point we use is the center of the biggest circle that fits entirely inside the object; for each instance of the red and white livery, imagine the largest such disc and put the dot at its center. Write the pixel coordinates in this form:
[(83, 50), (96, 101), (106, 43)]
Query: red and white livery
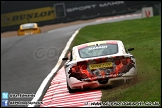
[(96, 64)]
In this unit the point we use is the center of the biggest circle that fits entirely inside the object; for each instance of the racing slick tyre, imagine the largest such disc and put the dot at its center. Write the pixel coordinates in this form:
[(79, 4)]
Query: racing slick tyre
[(70, 90)]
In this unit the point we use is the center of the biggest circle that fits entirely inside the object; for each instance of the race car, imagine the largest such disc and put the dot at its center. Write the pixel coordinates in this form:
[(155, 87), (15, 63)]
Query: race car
[(96, 64), (28, 29)]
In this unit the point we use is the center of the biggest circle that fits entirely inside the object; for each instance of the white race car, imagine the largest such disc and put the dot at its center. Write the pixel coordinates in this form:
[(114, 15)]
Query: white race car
[(96, 64)]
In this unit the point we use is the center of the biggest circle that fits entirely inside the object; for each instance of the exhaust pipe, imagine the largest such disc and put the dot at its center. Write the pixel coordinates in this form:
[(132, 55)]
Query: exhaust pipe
[(103, 81)]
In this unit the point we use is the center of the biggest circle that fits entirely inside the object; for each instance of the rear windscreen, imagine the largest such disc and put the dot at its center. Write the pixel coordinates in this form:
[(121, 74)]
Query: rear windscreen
[(25, 26), (100, 50)]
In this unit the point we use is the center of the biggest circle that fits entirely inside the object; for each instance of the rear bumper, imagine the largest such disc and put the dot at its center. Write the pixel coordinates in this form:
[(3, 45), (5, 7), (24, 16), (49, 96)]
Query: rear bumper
[(95, 84), (77, 84), (27, 33)]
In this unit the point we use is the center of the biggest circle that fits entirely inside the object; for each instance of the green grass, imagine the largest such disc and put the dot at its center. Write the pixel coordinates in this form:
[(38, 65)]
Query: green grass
[(145, 36)]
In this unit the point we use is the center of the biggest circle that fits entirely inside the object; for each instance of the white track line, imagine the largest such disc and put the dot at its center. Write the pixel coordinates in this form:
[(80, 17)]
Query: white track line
[(46, 80)]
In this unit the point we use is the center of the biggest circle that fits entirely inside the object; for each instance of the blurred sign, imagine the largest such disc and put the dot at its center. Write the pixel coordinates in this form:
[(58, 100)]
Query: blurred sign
[(60, 10), (34, 15), (98, 5), (93, 8), (147, 12)]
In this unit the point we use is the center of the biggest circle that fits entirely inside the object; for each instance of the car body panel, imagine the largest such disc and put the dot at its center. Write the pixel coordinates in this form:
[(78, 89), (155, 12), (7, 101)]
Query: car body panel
[(28, 29), (90, 71)]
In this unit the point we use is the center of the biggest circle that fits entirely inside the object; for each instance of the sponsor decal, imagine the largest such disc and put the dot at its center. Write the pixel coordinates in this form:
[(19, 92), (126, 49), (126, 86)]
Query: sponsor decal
[(147, 12), (111, 3), (33, 15), (97, 47), (93, 6), (81, 8)]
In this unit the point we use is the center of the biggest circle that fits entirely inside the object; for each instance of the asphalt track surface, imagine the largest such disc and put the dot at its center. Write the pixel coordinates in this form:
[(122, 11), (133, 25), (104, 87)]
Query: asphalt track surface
[(27, 60)]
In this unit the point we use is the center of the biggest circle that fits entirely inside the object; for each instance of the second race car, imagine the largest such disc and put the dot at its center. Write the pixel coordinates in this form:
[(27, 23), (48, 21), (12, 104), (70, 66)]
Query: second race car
[(28, 29)]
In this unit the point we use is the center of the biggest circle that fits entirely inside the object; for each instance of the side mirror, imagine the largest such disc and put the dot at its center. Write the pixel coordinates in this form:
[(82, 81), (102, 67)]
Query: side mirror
[(130, 49), (66, 58)]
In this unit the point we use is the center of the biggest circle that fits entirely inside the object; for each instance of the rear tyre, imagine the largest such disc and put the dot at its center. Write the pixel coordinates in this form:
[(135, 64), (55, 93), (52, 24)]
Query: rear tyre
[(70, 90)]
